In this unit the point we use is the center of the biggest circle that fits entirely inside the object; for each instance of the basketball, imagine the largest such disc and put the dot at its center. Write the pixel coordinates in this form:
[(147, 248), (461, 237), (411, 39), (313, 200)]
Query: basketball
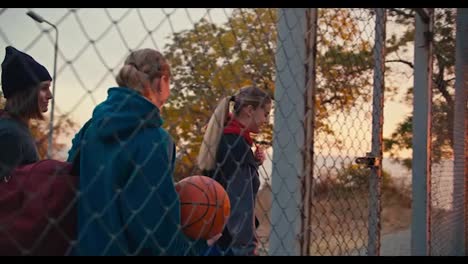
[(205, 206)]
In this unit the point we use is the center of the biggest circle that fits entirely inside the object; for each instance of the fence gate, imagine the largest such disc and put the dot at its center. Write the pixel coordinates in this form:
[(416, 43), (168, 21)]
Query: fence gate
[(338, 131)]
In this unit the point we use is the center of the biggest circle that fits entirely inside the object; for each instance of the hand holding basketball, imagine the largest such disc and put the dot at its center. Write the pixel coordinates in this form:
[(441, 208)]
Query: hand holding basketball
[(213, 240), (205, 207)]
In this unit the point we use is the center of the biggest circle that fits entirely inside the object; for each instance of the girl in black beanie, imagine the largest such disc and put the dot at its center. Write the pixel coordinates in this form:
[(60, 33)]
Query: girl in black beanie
[(25, 85)]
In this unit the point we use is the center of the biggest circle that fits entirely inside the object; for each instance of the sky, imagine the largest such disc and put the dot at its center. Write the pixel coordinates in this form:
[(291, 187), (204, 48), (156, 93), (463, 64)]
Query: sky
[(93, 43), (84, 70)]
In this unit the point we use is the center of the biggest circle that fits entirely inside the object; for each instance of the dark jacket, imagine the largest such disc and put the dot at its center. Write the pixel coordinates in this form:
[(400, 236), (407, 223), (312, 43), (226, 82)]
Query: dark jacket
[(128, 203), (17, 145), (237, 171)]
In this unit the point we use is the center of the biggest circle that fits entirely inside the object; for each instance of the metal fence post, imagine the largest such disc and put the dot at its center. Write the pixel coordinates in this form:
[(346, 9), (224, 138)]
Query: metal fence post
[(375, 182), (422, 103), (460, 131), (288, 141), (309, 130)]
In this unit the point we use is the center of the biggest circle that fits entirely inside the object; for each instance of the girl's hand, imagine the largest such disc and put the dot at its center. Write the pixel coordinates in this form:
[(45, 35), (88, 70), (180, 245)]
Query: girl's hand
[(213, 240), (260, 155)]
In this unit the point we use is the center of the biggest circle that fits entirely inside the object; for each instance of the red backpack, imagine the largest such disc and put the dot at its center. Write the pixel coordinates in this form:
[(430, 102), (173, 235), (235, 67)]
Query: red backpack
[(38, 209)]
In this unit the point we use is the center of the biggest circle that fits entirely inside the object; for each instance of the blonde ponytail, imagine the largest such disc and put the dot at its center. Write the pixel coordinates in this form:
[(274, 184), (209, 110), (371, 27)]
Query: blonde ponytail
[(207, 156)]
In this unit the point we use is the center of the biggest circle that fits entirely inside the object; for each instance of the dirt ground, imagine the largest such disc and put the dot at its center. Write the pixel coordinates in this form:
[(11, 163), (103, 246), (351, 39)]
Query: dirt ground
[(340, 222)]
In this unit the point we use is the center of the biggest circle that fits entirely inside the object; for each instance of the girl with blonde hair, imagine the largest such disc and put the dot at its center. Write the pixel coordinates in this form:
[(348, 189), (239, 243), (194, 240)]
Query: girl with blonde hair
[(226, 156), (127, 202)]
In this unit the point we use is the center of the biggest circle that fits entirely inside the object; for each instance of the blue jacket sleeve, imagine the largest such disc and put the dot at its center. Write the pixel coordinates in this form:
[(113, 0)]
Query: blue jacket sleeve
[(76, 141), (151, 206)]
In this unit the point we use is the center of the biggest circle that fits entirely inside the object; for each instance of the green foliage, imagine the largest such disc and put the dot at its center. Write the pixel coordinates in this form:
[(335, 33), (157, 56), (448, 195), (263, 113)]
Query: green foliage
[(357, 177), (212, 61), (443, 90)]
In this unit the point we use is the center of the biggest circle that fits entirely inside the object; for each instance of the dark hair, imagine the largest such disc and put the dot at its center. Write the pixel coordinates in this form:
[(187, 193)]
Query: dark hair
[(24, 103)]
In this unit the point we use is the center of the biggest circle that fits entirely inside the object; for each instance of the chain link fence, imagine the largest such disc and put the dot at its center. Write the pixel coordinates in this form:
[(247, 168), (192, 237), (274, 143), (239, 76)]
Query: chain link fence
[(337, 178), (447, 212), (343, 130)]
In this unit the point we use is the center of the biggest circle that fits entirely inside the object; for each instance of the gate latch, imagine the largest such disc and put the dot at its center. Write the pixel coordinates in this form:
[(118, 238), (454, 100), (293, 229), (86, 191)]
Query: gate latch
[(369, 160)]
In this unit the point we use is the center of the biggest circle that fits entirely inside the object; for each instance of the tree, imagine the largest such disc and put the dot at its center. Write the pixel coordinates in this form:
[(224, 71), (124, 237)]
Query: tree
[(40, 131), (211, 61), (443, 89)]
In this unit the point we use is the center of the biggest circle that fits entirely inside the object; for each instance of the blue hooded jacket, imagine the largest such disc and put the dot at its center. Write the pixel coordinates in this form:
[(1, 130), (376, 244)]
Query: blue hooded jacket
[(127, 203)]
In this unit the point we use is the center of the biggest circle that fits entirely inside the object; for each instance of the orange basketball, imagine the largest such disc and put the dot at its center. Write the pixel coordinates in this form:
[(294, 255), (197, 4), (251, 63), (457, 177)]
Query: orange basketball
[(205, 206)]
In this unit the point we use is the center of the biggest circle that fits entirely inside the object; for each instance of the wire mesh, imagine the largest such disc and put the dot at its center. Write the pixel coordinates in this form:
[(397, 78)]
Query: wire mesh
[(447, 189), (214, 52)]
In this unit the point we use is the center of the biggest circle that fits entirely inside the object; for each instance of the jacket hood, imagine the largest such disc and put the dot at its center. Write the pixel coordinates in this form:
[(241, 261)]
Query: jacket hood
[(124, 112)]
